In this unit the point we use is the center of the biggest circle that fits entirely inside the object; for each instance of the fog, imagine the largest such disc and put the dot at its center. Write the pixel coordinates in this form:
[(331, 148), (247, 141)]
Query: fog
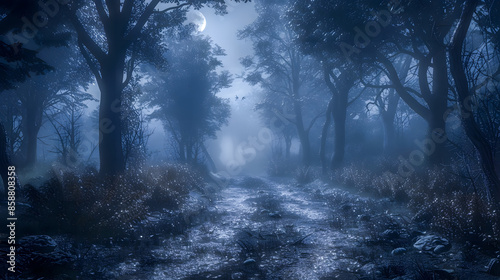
[(283, 139)]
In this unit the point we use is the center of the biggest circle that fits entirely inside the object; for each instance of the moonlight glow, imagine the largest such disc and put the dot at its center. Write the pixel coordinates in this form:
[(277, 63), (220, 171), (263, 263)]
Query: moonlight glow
[(197, 18)]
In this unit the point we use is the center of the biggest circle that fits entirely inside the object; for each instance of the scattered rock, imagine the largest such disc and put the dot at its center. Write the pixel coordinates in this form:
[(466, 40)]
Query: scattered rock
[(398, 251), (249, 262), (431, 242), (494, 267), (441, 249), (38, 244), (390, 234)]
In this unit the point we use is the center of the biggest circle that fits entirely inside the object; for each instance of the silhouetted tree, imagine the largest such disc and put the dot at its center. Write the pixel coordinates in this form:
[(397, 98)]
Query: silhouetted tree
[(372, 34), (113, 37), (282, 70), (465, 93), (184, 97)]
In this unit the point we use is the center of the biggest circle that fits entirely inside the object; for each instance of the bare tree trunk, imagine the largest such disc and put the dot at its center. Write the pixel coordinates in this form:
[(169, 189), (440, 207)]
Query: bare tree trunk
[(31, 128), (469, 123), (288, 145), (110, 123), (339, 119), (438, 104), (5, 160), (324, 135), (303, 134)]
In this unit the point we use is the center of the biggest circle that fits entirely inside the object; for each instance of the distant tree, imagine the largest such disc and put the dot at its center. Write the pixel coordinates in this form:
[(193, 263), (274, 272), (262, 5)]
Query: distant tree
[(11, 117), (114, 36), (386, 101), (275, 109), (288, 77), (17, 63), (468, 78), (136, 131), (66, 119), (317, 35), (184, 97), (40, 93), (372, 34)]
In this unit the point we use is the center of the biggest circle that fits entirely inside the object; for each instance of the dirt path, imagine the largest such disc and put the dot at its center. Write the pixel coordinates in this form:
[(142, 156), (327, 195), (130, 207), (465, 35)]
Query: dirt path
[(256, 228), (261, 229)]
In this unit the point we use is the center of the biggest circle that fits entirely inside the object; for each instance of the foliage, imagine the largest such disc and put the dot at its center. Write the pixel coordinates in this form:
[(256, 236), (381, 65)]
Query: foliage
[(170, 185), (291, 82), (440, 199), (184, 97), (86, 206)]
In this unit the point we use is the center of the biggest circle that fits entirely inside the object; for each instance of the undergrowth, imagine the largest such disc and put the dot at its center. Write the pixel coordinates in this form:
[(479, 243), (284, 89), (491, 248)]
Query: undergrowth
[(87, 206), (442, 200)]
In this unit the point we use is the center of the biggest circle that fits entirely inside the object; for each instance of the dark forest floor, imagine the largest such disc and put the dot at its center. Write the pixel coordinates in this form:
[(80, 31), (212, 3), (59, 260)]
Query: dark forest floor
[(258, 228)]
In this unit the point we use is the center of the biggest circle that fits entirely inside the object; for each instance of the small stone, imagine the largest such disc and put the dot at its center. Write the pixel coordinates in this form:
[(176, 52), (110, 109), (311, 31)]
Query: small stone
[(441, 249), (249, 261), (430, 242), (494, 267), (398, 251)]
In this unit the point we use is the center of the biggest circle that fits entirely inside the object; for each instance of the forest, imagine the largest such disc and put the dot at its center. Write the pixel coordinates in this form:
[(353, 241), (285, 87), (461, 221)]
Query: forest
[(250, 139)]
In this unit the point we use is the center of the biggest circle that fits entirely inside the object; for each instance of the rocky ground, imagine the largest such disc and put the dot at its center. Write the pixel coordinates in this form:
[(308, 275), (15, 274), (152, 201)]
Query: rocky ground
[(257, 228)]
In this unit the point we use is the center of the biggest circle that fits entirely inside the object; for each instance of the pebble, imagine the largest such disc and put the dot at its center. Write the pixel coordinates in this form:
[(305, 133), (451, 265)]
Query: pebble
[(494, 267), (249, 261), (398, 251)]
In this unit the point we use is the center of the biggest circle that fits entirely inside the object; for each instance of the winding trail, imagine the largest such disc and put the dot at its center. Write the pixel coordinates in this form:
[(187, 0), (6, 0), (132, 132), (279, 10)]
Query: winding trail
[(262, 229)]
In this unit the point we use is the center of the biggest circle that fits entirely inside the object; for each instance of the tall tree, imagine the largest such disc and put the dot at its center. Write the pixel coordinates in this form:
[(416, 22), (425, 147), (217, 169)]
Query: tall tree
[(387, 101), (372, 33), (465, 92), (40, 93), (280, 68), (185, 96), (314, 23), (113, 36)]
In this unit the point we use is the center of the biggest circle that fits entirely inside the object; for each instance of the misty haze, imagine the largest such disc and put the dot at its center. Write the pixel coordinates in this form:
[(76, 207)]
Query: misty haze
[(250, 139)]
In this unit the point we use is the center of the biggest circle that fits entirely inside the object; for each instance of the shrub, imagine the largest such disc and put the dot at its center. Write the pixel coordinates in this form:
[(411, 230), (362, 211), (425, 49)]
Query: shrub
[(439, 198), (87, 206), (467, 218), (170, 185)]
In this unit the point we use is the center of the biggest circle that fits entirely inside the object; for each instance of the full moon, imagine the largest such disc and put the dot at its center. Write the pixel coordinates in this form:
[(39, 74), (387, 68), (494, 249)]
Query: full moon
[(198, 19)]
